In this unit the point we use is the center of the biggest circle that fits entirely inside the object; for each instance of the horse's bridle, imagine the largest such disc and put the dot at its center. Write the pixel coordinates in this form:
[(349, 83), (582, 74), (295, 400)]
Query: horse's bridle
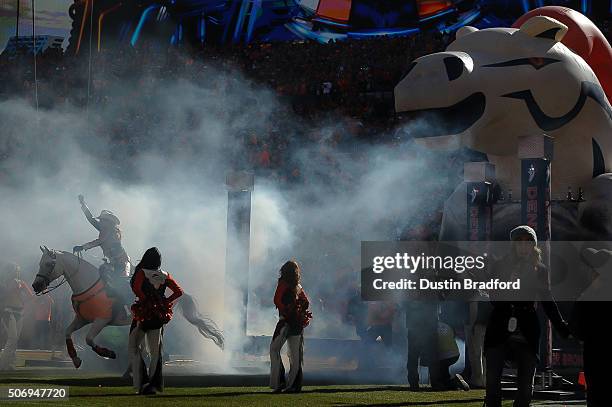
[(45, 278), (48, 280)]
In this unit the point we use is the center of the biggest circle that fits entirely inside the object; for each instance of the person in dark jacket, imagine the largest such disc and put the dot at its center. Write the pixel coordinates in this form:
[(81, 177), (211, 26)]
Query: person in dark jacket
[(596, 349), (587, 324), (292, 303), (513, 329), (422, 332)]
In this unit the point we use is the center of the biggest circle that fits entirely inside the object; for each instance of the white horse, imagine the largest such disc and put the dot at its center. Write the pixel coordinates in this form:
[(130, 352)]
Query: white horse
[(93, 305)]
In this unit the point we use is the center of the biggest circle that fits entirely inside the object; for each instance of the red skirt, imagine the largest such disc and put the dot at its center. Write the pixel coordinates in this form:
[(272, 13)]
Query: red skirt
[(153, 311)]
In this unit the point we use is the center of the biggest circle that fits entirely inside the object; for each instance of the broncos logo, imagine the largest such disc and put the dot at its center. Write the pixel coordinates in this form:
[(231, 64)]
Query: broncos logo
[(491, 86)]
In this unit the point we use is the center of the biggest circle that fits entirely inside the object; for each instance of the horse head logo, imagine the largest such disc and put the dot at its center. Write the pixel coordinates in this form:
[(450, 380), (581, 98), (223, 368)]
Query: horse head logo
[(531, 172), (474, 194)]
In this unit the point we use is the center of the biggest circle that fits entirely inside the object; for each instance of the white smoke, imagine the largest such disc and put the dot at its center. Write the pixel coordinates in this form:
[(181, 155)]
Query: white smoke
[(171, 194)]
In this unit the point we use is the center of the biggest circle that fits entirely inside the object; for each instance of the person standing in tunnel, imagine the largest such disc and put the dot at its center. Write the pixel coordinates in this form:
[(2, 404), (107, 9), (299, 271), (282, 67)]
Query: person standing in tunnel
[(422, 332), (513, 329), (14, 294), (292, 303), (380, 323), (587, 321), (356, 315), (42, 321)]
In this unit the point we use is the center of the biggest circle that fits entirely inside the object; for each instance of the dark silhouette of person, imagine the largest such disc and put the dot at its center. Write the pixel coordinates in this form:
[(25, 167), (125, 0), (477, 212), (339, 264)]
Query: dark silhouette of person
[(513, 329)]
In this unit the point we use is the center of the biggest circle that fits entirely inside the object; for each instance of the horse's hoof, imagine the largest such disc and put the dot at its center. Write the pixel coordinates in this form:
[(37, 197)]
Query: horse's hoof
[(148, 390), (105, 353), (77, 362)]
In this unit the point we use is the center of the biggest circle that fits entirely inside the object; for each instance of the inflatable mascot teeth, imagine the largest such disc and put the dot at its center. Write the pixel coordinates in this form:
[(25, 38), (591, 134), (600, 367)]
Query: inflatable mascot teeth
[(493, 85)]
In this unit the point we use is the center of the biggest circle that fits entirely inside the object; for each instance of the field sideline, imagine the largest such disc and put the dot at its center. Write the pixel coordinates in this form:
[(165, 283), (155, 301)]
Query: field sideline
[(109, 389), (260, 396), (96, 390)]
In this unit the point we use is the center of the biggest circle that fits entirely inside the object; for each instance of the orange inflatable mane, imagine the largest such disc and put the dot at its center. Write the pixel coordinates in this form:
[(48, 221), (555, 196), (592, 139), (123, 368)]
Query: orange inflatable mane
[(584, 38)]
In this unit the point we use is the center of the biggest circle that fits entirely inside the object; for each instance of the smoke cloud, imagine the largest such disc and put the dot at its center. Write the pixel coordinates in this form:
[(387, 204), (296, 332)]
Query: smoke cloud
[(168, 190)]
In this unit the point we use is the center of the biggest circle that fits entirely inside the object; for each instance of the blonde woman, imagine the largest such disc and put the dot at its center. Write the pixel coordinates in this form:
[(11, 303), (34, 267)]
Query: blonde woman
[(513, 329)]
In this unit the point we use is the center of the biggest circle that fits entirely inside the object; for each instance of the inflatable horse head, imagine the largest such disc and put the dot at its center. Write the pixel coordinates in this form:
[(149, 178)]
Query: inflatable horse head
[(493, 85)]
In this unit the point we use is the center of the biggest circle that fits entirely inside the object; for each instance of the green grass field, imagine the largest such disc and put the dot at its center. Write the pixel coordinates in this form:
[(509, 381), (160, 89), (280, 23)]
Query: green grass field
[(259, 396), (95, 390)]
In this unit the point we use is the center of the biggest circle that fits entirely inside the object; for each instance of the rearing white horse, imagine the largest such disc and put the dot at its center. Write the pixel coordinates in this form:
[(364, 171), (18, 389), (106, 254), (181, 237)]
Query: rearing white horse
[(93, 305)]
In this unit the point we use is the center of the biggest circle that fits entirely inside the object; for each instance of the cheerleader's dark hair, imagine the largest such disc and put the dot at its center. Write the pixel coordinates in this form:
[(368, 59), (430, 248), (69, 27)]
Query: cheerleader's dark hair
[(290, 273), (151, 260)]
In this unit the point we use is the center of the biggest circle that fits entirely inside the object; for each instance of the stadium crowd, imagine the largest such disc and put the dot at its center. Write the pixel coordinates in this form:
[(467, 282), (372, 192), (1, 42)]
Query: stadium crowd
[(322, 77), (335, 93), (317, 83), (333, 98)]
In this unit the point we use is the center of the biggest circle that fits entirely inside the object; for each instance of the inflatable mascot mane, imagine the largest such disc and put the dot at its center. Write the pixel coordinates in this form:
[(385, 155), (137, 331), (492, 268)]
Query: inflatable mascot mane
[(550, 74)]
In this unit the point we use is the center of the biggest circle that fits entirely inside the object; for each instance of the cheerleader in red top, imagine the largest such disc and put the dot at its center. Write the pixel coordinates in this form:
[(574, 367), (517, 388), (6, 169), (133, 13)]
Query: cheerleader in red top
[(292, 303), (152, 310)]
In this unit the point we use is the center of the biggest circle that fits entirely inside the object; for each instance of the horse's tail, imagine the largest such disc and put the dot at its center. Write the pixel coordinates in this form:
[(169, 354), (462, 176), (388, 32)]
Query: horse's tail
[(207, 327)]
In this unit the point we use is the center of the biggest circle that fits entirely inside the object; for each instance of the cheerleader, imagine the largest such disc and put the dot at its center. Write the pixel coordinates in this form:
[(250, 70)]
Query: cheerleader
[(292, 303), (152, 310)]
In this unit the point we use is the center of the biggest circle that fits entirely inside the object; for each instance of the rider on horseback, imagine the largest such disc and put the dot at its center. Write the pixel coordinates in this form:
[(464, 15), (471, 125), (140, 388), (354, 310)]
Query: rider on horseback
[(109, 240)]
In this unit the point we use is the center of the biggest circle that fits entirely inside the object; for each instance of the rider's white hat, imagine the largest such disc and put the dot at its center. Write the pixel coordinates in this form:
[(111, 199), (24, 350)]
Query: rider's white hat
[(108, 215)]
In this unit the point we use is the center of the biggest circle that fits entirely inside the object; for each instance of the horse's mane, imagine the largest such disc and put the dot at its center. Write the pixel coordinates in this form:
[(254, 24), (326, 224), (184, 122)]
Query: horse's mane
[(65, 255), (72, 259)]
